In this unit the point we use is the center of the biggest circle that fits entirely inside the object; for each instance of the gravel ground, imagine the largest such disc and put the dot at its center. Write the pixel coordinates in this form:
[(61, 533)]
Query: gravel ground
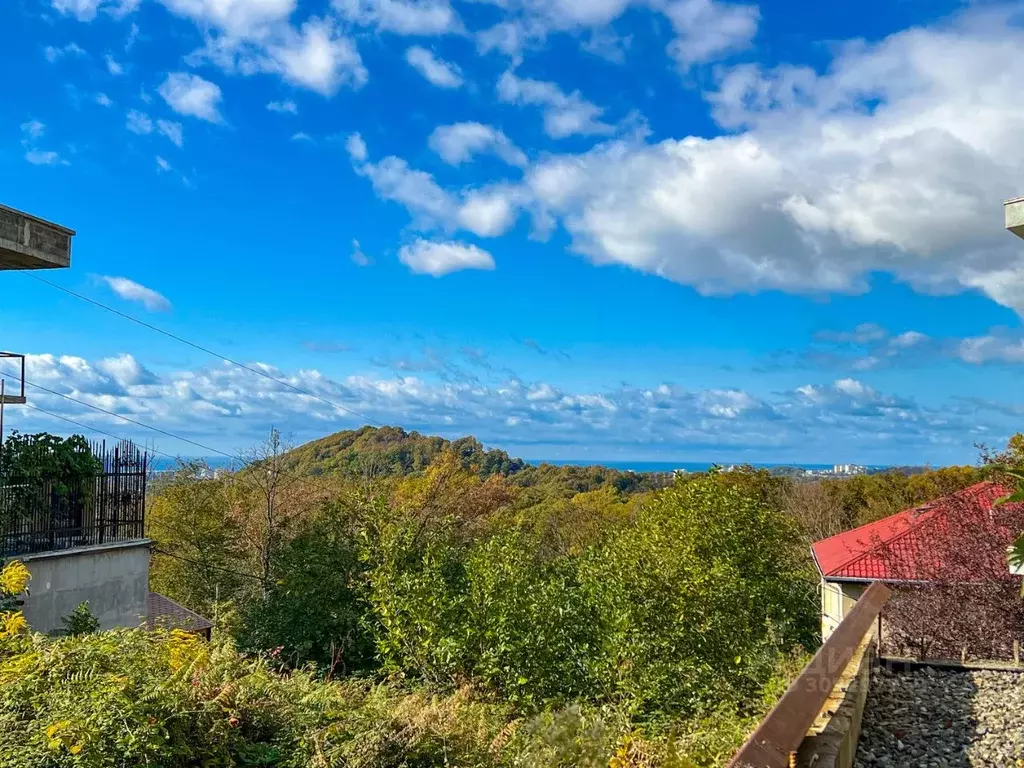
[(934, 718)]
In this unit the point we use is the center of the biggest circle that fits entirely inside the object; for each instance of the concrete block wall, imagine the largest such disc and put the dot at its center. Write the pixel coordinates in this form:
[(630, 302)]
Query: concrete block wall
[(112, 578)]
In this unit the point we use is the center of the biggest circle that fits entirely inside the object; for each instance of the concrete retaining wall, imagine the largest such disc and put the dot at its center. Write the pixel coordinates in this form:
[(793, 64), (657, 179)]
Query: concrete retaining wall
[(112, 578), (831, 741)]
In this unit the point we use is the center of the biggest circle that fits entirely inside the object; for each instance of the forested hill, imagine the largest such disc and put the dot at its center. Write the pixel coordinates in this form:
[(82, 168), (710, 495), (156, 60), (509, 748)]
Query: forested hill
[(393, 452), (383, 452)]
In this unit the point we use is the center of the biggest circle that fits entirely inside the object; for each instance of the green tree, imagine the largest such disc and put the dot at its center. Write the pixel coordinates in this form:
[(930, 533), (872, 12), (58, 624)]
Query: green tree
[(197, 555), (315, 608)]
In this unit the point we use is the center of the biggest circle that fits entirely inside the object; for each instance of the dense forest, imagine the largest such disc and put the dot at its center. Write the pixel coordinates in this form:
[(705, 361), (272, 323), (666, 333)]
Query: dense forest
[(382, 598)]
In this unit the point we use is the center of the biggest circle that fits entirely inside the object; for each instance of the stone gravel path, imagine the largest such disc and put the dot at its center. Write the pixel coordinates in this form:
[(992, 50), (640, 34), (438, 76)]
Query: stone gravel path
[(932, 718)]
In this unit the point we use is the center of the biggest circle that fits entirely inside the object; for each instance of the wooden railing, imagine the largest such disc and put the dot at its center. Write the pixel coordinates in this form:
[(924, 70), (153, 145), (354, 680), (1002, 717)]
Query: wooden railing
[(775, 742)]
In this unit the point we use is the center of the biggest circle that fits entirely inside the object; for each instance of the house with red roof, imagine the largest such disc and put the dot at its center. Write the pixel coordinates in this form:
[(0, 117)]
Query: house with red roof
[(914, 546)]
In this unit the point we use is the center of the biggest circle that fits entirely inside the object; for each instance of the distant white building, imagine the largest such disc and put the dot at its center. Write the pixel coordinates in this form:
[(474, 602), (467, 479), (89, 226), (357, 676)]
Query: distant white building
[(849, 469)]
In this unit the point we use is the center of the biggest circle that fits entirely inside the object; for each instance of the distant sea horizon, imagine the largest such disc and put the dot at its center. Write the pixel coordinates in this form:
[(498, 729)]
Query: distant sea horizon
[(689, 466), (216, 462)]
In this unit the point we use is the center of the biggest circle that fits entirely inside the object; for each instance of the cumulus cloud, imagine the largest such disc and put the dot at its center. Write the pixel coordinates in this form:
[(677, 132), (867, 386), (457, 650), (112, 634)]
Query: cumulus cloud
[(359, 258), (129, 290), (356, 148), (113, 66), (402, 17), (461, 142), (53, 53), (234, 18), (235, 407), (436, 71), (707, 30), (191, 95), (172, 131), (438, 258), (564, 114), (891, 160), (394, 180), (86, 10), (992, 348), (139, 122), (486, 212), (44, 157), (319, 57), (31, 132), (33, 129), (285, 107)]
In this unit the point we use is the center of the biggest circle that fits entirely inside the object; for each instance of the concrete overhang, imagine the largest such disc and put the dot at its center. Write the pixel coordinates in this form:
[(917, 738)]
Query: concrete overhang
[(28, 242), (1014, 210)]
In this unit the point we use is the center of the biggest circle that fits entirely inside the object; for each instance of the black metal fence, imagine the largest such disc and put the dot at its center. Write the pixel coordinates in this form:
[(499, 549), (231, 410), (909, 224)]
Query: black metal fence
[(42, 512)]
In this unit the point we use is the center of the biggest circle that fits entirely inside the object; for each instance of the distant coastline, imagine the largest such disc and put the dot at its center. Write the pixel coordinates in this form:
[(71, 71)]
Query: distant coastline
[(220, 462), (688, 466)]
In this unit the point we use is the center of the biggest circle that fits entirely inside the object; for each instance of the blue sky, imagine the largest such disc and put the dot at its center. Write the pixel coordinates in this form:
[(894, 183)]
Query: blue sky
[(582, 229)]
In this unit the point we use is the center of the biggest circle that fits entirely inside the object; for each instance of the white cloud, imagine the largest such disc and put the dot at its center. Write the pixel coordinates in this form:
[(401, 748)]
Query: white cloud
[(129, 290), (44, 157), (707, 30), (359, 258), (189, 94), (608, 45), (52, 53), (139, 122), (31, 132), (564, 114), (320, 58), (402, 17), (893, 160), (285, 107), (113, 67), (440, 258), (162, 164), (437, 71), (993, 348), (103, 100), (488, 213), (864, 333), (394, 180), (172, 131), (236, 18), (461, 142), (86, 10), (226, 404), (302, 136), (356, 148), (33, 129)]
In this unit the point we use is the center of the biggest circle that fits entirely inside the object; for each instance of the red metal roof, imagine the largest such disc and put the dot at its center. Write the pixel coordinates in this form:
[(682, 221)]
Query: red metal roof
[(856, 554)]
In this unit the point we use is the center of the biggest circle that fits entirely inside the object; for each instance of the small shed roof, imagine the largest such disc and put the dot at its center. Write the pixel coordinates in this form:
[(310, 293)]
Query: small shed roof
[(856, 555), (165, 613)]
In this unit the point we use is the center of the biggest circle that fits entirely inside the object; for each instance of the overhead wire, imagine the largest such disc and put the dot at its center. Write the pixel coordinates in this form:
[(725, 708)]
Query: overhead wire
[(201, 348), (130, 420), (90, 428)]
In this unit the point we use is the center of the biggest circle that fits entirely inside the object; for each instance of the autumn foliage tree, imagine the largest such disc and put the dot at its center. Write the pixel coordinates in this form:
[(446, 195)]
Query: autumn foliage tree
[(955, 596)]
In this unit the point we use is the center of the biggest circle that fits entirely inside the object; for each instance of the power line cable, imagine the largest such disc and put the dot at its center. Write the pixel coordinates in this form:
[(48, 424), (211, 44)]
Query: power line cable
[(90, 428), (208, 565), (131, 420), (203, 349), (243, 464)]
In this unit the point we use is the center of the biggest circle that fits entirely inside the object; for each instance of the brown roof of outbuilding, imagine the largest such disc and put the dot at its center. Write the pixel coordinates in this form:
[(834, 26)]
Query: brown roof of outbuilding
[(167, 614)]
